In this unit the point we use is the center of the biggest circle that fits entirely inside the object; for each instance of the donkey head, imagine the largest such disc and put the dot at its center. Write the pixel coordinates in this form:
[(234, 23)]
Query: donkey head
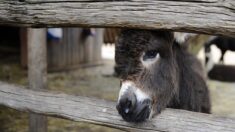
[(146, 65)]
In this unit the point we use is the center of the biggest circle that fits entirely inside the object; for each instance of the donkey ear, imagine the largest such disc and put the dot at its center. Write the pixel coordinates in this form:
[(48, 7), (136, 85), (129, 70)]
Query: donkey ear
[(182, 38)]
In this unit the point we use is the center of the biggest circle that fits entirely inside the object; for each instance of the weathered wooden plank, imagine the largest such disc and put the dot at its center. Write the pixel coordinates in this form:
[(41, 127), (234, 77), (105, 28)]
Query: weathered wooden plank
[(103, 112), (208, 1), (37, 72), (204, 16)]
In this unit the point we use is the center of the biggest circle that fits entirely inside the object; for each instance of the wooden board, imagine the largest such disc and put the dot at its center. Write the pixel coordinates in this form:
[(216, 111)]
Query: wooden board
[(201, 16), (104, 113)]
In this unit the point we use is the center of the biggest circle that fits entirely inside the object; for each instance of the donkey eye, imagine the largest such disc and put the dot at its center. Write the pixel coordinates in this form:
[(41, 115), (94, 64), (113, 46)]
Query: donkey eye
[(150, 54)]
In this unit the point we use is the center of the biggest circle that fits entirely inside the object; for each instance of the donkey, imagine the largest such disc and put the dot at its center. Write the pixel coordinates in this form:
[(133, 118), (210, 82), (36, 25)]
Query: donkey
[(223, 43), (156, 73)]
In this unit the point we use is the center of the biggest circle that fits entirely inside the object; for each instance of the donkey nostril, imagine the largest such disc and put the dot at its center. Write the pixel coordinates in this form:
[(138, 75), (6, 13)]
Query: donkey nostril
[(128, 106), (127, 110), (129, 103)]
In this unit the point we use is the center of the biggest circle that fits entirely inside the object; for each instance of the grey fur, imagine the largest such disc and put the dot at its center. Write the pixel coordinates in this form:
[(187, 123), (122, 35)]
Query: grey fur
[(175, 81)]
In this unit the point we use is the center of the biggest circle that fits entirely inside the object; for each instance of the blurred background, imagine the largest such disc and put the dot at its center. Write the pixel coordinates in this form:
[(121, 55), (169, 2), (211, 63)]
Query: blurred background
[(81, 62)]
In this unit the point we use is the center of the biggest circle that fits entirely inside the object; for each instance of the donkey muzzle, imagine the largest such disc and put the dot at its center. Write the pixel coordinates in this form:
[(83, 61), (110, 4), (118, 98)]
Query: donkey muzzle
[(133, 105)]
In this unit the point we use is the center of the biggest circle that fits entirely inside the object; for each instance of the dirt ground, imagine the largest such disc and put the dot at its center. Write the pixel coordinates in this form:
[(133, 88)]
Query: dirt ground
[(92, 82)]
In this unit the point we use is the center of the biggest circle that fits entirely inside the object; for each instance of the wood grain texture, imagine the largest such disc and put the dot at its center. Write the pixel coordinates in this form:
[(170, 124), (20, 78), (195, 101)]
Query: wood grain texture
[(207, 1), (103, 112), (201, 16), (37, 72)]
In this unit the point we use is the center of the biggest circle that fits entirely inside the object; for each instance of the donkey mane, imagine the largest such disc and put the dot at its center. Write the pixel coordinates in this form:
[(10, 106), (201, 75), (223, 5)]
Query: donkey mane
[(191, 83)]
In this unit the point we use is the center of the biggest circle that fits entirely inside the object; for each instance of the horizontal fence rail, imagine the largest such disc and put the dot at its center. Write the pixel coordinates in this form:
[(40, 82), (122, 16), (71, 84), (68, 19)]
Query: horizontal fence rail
[(201, 16), (103, 112)]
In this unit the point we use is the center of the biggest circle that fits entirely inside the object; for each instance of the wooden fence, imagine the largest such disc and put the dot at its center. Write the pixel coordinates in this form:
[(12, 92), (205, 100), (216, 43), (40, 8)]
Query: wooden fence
[(200, 16), (205, 16), (103, 112)]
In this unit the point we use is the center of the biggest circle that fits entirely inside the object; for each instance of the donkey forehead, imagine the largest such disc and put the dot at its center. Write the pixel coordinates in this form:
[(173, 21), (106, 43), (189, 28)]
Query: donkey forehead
[(140, 40), (134, 42)]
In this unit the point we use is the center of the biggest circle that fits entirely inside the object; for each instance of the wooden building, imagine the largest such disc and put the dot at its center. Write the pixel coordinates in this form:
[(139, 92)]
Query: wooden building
[(74, 49)]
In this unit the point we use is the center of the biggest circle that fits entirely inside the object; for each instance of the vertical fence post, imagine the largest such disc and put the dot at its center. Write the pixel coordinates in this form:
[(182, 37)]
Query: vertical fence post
[(37, 72)]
